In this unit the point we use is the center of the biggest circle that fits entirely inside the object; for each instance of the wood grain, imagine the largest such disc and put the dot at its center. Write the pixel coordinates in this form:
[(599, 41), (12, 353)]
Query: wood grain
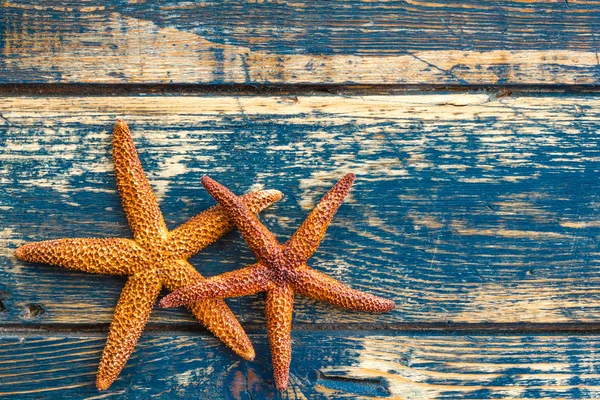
[(467, 208), (315, 42), (338, 365)]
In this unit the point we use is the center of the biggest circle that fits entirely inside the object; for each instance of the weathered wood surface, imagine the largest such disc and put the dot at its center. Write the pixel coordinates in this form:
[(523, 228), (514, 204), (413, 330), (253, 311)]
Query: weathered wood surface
[(342, 365), (383, 42), (467, 208)]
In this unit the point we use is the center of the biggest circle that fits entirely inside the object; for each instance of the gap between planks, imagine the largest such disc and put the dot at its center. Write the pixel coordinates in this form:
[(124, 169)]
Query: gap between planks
[(429, 328), (51, 89)]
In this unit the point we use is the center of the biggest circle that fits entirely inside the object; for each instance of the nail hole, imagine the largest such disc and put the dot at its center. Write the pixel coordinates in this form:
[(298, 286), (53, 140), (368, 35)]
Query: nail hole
[(33, 311), (529, 272), (289, 100)]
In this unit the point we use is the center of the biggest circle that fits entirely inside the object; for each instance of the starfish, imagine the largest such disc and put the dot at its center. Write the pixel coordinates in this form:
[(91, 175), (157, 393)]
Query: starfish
[(280, 271), (154, 259)]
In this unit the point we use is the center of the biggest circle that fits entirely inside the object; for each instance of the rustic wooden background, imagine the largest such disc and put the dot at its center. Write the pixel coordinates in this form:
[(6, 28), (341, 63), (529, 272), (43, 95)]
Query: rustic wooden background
[(473, 127)]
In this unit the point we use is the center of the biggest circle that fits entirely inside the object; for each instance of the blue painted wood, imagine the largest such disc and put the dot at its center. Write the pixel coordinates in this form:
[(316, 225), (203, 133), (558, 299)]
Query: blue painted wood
[(335, 365), (279, 42), (467, 209), (471, 213), (314, 27)]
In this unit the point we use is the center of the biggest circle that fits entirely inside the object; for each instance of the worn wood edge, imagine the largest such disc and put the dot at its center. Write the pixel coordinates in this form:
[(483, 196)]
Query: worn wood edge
[(416, 105), (324, 365)]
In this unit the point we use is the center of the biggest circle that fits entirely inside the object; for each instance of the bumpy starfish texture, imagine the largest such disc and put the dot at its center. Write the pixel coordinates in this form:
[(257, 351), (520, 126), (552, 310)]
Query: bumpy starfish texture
[(155, 258), (280, 271)]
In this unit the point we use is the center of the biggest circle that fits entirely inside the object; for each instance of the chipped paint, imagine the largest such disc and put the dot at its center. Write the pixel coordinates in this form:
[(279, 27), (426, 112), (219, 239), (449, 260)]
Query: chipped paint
[(113, 47), (440, 218)]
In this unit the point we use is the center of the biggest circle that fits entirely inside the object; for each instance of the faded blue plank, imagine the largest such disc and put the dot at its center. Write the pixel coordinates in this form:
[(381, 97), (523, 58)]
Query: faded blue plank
[(470, 213), (355, 27), (342, 365), (249, 42)]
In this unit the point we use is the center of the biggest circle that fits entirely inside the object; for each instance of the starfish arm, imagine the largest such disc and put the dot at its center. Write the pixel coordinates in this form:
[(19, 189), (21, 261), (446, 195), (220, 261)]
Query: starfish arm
[(259, 239), (206, 227), (242, 282), (212, 313), (319, 286), (279, 308), (112, 256), (140, 205), (307, 238), (130, 317)]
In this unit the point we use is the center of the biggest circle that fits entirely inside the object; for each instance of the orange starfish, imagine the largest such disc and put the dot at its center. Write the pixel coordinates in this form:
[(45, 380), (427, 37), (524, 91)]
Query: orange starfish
[(153, 259), (280, 271)]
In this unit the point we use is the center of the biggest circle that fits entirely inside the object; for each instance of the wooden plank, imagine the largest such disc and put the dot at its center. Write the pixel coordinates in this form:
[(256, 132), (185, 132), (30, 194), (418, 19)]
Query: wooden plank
[(315, 42), (343, 365), (467, 208)]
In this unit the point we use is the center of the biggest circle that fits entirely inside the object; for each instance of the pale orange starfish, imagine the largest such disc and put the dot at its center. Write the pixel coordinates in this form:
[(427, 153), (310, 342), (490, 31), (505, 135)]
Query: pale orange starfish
[(280, 271), (154, 259)]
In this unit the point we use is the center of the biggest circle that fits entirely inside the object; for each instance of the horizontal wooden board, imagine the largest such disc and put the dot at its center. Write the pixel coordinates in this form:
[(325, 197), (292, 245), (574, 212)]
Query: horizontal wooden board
[(467, 208), (383, 42), (339, 365)]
